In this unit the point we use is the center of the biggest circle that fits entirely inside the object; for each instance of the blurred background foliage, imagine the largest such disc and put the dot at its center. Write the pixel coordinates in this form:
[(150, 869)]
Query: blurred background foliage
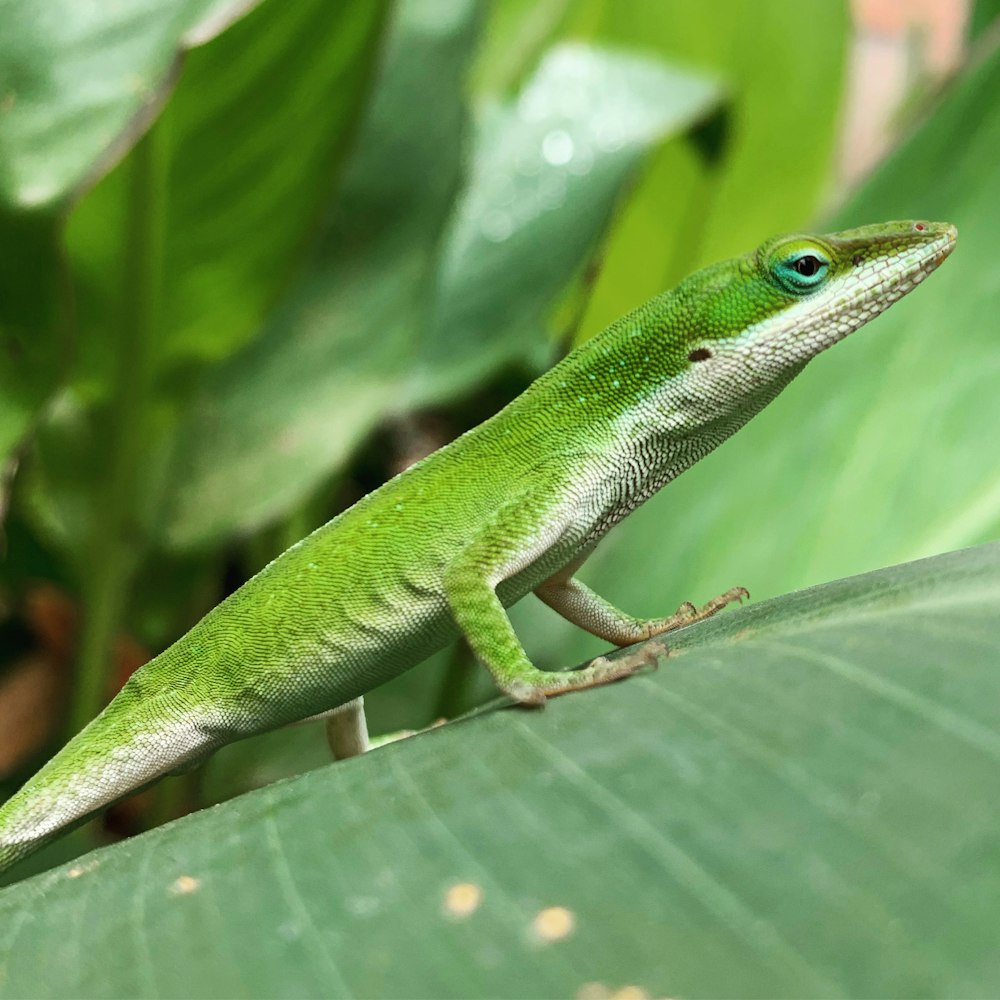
[(258, 257)]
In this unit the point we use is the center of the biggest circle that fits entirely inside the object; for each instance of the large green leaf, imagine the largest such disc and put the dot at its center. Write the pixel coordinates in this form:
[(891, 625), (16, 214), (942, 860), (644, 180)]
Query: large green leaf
[(984, 17), (799, 802), (77, 83), (249, 144), (253, 135), (547, 172), (388, 315), (273, 422), (77, 76), (883, 449)]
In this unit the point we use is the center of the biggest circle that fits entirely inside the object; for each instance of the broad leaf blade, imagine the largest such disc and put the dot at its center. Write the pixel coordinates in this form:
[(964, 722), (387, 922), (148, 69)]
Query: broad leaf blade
[(255, 134), (78, 75), (547, 172), (78, 83), (798, 803)]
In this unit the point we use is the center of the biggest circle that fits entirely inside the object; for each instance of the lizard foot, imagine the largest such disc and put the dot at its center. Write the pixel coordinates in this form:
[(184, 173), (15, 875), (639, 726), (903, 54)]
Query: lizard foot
[(540, 685), (688, 614)]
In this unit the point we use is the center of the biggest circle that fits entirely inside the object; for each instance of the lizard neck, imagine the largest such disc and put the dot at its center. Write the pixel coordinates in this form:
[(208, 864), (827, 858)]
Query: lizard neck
[(667, 432), (654, 444)]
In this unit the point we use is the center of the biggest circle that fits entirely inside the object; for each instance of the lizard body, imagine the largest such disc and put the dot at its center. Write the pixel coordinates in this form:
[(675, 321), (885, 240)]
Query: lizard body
[(514, 505)]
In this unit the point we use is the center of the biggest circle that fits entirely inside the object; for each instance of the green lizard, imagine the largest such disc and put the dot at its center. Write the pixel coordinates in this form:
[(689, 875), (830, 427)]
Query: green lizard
[(515, 505)]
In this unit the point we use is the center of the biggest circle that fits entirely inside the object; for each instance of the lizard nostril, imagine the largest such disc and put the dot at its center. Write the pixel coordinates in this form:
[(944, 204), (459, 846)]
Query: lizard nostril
[(919, 226)]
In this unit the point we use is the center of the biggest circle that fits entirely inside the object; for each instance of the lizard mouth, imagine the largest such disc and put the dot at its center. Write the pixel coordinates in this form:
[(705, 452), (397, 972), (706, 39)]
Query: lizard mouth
[(932, 252), (878, 282), (928, 245), (901, 275)]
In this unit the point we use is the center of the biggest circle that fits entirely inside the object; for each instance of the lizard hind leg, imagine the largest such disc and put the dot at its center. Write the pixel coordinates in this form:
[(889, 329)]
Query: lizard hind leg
[(347, 730)]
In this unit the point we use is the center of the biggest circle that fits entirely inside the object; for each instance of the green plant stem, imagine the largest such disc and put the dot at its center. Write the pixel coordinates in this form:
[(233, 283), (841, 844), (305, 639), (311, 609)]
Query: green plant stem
[(117, 536)]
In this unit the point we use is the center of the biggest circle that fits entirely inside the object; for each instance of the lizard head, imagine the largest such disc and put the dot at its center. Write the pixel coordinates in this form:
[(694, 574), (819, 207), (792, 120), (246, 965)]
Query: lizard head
[(795, 296)]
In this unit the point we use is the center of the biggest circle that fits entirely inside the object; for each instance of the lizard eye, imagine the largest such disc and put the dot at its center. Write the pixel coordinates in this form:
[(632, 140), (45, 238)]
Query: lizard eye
[(807, 265), (802, 271)]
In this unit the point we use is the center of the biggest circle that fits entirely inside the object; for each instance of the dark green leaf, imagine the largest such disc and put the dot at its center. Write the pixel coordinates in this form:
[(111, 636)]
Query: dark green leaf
[(77, 85), (798, 803), (254, 135), (546, 174)]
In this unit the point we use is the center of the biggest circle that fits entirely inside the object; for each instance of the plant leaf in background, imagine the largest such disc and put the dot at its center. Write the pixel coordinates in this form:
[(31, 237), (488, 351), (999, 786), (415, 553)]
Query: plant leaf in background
[(546, 173), (172, 272), (78, 84), (985, 15), (239, 164), (514, 38), (760, 171), (255, 132), (881, 451), (792, 807), (394, 320), (287, 411)]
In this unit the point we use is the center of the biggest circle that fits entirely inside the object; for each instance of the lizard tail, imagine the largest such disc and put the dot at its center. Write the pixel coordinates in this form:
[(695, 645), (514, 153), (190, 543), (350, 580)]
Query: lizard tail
[(134, 741)]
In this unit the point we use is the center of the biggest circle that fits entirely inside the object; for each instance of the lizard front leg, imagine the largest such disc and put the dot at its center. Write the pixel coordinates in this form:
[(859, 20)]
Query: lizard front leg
[(512, 542)]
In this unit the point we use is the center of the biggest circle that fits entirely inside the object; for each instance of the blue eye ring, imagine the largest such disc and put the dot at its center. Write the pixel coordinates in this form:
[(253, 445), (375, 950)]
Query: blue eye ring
[(802, 271)]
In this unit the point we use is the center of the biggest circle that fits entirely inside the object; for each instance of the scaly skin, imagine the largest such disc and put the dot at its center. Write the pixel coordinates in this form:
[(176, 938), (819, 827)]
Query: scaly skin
[(512, 506)]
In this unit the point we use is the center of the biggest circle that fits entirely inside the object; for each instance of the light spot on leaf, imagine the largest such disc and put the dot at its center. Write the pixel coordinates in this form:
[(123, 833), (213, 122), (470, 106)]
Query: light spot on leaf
[(77, 870), (184, 885), (554, 923), (462, 900), (598, 991)]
